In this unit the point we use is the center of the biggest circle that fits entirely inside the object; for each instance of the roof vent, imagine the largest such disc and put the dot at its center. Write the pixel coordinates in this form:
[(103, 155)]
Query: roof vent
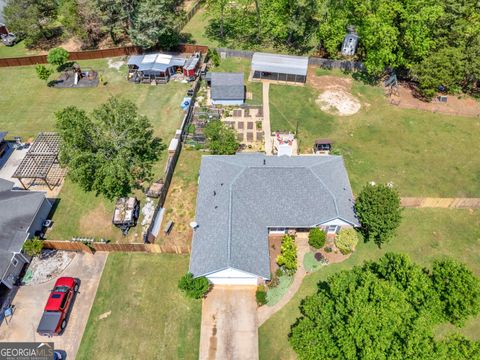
[(264, 162), (214, 193), (194, 225)]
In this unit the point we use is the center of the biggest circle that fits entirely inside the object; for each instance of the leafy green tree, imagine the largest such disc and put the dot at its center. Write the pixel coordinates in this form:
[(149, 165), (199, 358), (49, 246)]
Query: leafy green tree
[(109, 152), (379, 212), (58, 56), (43, 72), (442, 68), (346, 240), (316, 238), (458, 288), (155, 24), (381, 310), (459, 348), (32, 247), (194, 288), (288, 254), (412, 279), (221, 139), (31, 20), (116, 17), (213, 56), (355, 315)]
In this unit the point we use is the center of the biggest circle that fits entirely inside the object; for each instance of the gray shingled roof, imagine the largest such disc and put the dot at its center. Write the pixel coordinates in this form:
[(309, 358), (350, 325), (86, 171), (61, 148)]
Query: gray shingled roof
[(17, 212), (227, 86), (239, 198)]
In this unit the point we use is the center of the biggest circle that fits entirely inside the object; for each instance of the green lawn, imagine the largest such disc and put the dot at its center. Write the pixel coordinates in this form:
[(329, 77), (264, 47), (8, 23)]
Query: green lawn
[(422, 153), (196, 29), (425, 234), (17, 50), (150, 318), (28, 107)]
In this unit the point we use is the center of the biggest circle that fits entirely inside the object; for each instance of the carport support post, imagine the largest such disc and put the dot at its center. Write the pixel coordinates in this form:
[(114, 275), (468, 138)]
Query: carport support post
[(21, 182)]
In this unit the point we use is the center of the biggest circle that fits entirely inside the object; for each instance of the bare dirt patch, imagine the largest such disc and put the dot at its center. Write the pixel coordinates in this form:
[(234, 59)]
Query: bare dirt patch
[(181, 210), (455, 105), (338, 102), (47, 266), (335, 94)]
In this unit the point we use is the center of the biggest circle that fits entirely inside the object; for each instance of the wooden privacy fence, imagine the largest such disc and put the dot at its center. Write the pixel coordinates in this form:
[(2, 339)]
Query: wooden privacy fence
[(137, 247), (451, 203), (95, 54)]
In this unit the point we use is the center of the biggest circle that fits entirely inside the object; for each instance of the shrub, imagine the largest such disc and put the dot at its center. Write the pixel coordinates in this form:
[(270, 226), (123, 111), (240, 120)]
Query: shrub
[(379, 212), (346, 240), (43, 72), (194, 288), (328, 249), (458, 289), (33, 247), (288, 256), (320, 258), (261, 295), (316, 238), (213, 55), (57, 56)]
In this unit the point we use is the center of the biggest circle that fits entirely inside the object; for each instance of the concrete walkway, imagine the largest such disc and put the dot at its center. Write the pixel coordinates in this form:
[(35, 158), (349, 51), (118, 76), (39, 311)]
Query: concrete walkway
[(229, 324), (266, 119), (265, 312), (445, 203)]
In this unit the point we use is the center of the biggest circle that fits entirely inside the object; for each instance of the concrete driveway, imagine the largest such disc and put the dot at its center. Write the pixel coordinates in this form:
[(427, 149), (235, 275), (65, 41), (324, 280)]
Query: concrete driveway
[(30, 300), (229, 324)]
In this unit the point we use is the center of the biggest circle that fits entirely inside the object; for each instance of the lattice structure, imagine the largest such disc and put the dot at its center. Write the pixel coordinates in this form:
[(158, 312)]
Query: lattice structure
[(40, 159)]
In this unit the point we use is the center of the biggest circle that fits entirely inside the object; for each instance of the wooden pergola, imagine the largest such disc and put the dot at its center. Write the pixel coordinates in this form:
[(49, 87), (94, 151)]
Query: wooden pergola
[(40, 158)]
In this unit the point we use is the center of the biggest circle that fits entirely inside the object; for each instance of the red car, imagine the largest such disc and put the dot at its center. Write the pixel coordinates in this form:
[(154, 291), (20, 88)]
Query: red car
[(54, 318)]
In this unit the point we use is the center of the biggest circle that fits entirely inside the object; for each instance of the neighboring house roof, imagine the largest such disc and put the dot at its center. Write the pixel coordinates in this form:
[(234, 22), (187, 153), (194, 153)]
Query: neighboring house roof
[(283, 64), (240, 196), (18, 210), (227, 86), (155, 62), (3, 134)]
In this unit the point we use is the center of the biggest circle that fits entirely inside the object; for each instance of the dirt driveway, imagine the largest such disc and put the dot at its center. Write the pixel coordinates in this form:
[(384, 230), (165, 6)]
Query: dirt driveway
[(30, 300), (229, 324)]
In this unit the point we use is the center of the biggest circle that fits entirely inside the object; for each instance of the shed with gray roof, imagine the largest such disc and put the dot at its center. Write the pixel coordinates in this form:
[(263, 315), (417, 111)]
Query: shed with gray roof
[(244, 197), (282, 68), (226, 88)]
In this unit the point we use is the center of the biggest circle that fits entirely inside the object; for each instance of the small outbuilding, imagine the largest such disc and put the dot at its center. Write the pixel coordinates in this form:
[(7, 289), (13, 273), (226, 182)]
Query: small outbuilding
[(282, 68), (350, 43), (226, 88), (154, 67)]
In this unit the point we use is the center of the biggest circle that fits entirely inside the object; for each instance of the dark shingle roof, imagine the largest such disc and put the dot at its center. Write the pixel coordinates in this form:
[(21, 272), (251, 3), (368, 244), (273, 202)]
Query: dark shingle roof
[(239, 198), (17, 212), (227, 86)]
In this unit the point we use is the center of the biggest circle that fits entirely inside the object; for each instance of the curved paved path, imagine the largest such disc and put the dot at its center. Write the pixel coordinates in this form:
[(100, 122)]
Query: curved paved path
[(265, 312)]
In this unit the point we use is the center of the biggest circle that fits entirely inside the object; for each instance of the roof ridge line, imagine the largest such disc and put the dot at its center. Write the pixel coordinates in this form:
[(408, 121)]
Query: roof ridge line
[(328, 189), (229, 240)]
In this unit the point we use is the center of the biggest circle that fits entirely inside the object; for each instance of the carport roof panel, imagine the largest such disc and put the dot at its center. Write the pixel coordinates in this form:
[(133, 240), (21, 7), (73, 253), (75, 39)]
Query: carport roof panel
[(284, 64), (135, 60)]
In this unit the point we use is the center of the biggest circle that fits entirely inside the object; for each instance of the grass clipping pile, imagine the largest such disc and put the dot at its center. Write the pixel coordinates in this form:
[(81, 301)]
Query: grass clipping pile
[(335, 97)]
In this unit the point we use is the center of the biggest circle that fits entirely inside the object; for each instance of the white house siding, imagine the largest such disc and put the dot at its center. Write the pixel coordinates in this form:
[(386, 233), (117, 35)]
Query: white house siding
[(41, 216), (227, 102), (232, 276), (337, 222)]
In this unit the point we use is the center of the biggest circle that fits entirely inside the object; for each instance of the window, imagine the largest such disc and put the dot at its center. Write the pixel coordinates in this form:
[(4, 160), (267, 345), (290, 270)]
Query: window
[(64, 302), (333, 229), (14, 262)]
